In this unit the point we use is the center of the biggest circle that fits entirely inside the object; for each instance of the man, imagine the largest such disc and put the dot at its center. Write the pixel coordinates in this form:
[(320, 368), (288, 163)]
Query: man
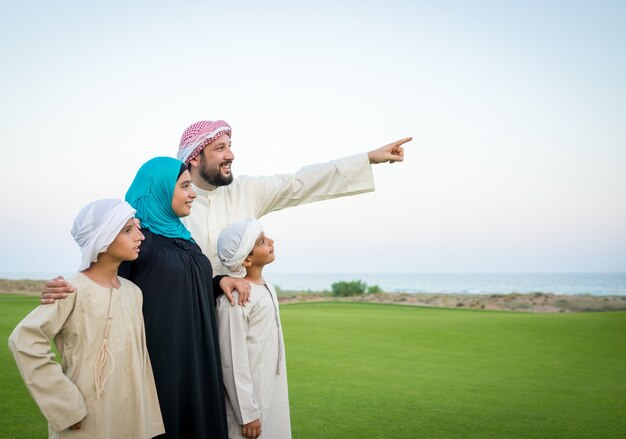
[(205, 147), (222, 200)]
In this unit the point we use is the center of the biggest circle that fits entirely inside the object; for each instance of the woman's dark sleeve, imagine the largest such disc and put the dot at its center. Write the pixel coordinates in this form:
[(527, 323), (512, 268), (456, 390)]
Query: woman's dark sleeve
[(124, 269), (217, 291)]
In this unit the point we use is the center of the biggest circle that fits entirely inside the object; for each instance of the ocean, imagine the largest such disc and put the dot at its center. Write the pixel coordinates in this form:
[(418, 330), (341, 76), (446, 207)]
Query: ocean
[(596, 284)]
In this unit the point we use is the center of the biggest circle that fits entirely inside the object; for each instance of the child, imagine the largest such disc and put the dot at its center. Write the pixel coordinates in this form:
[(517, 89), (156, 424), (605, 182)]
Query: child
[(104, 386), (251, 339)]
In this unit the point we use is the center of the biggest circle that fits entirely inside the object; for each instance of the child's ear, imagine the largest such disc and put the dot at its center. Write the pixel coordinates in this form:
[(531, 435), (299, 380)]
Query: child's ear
[(247, 262)]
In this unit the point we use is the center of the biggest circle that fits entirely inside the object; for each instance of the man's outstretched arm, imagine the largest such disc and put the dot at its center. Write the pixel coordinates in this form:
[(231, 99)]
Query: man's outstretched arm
[(346, 176)]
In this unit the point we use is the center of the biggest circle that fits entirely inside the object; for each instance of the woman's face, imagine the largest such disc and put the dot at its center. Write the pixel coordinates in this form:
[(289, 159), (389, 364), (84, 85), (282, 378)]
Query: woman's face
[(183, 195)]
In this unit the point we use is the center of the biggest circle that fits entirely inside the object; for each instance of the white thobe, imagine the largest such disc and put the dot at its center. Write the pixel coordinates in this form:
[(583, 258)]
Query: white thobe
[(253, 197), (65, 392), (253, 364)]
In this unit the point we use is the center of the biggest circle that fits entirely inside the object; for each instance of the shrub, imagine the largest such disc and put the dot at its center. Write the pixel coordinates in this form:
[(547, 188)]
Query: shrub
[(374, 289), (345, 289)]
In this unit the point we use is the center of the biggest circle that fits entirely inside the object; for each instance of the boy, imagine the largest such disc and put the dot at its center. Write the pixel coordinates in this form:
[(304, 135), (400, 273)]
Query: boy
[(251, 339), (104, 387)]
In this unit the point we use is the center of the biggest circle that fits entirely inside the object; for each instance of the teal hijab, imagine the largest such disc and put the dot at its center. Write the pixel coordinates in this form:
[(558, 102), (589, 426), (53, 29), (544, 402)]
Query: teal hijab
[(151, 194)]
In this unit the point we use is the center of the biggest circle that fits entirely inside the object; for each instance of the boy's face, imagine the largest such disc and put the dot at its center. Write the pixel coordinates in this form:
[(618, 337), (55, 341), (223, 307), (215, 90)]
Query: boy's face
[(125, 246), (263, 251)]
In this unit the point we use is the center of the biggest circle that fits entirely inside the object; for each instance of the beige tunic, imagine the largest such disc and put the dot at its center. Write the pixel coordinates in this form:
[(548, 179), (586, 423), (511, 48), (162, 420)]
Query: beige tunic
[(65, 393), (253, 197), (253, 364)]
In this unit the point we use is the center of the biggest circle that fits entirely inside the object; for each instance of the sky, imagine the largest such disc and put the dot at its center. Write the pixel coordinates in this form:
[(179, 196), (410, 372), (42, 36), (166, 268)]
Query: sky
[(517, 112)]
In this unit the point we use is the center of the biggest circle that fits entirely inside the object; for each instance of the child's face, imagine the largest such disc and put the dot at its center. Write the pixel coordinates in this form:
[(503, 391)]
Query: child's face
[(125, 246), (263, 251), (183, 195)]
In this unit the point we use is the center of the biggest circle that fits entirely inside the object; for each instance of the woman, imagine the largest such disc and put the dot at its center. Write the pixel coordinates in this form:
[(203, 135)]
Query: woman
[(178, 303)]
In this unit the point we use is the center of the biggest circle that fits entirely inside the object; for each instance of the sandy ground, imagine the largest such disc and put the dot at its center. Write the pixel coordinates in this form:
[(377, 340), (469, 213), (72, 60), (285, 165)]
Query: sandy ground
[(535, 302)]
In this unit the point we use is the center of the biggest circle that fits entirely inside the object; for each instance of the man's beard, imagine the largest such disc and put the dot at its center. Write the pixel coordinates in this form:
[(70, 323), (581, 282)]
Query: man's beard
[(213, 176)]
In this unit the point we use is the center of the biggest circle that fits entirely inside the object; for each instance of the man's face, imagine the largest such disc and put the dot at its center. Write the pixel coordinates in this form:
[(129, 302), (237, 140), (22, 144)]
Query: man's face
[(214, 162)]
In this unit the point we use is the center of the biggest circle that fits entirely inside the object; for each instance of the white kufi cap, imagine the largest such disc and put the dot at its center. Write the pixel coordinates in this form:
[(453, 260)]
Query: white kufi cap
[(96, 226), (236, 242)]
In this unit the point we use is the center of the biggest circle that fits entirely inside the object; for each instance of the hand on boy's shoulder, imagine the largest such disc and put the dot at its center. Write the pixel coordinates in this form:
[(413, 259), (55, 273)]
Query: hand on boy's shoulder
[(54, 289), (231, 284)]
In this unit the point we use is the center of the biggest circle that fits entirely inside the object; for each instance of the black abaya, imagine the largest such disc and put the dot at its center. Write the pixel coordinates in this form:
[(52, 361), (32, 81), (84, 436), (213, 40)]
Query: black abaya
[(179, 313)]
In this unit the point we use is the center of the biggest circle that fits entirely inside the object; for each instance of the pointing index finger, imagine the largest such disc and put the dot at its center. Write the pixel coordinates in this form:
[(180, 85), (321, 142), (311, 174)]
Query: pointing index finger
[(402, 141)]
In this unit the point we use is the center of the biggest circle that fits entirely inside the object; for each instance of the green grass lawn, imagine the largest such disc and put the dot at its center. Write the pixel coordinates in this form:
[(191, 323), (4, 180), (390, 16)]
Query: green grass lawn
[(19, 415), (388, 371)]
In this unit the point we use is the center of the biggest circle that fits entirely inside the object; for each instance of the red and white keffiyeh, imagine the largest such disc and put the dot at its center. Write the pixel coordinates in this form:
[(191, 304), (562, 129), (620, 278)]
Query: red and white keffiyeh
[(199, 135)]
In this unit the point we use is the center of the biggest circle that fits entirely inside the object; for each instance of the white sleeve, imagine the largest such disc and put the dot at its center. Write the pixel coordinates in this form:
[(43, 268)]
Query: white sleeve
[(56, 395), (339, 178), (233, 334)]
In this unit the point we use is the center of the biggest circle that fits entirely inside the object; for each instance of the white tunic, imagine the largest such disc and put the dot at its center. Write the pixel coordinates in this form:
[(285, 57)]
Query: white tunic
[(253, 364), (65, 392), (253, 197)]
